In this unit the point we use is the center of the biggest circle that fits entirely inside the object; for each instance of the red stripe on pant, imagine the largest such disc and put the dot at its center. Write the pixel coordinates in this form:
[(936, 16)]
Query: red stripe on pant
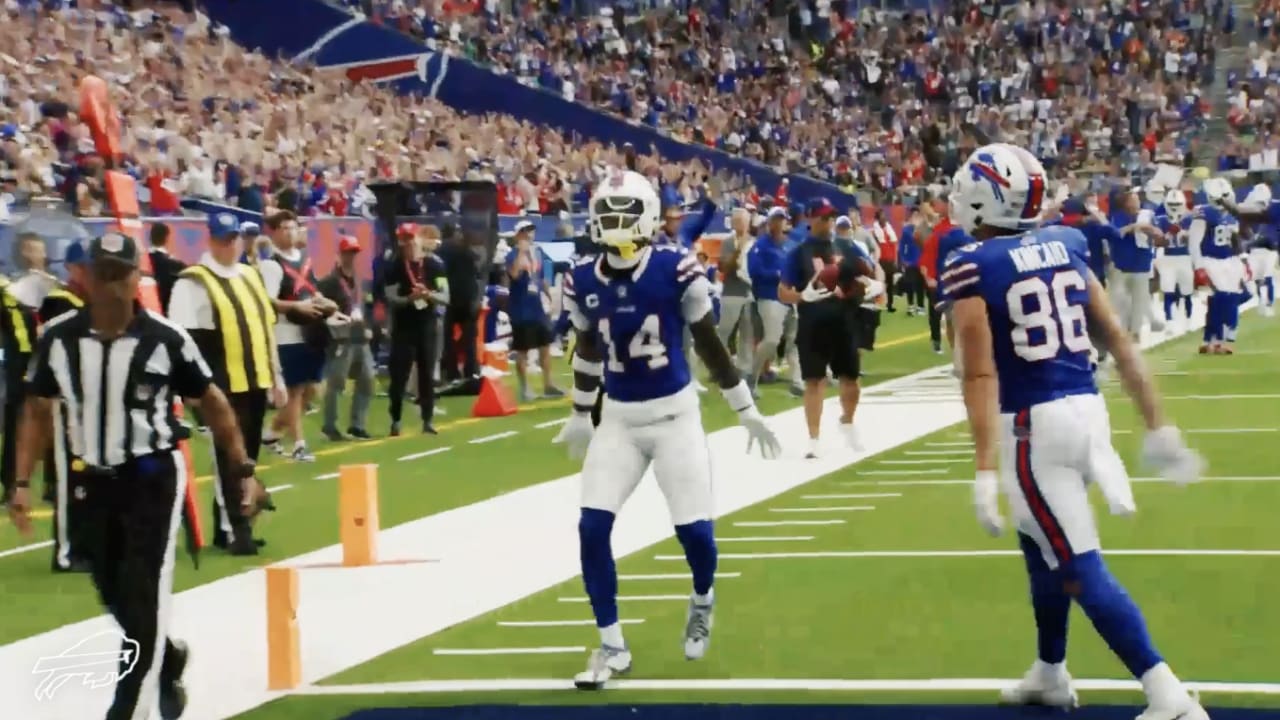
[(1035, 500)]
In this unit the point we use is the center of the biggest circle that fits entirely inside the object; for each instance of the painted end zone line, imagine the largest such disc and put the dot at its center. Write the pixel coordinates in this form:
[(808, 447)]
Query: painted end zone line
[(508, 651), (930, 685), (971, 554), (424, 453)]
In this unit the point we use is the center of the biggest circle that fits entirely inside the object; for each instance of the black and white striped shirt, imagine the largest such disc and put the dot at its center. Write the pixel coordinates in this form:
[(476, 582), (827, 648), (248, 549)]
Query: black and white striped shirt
[(118, 394)]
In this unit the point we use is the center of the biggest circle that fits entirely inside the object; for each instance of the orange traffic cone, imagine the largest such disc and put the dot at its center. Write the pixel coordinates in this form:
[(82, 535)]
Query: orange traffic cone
[(495, 399)]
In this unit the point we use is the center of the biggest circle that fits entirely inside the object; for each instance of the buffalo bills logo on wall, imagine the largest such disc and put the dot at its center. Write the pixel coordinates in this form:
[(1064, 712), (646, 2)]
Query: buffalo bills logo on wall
[(428, 68)]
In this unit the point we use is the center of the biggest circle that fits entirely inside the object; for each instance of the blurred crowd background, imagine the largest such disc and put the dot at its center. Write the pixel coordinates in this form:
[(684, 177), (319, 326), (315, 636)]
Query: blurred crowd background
[(880, 99)]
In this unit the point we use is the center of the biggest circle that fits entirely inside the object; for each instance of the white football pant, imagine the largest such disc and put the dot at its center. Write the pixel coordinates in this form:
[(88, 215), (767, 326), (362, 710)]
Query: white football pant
[(1262, 263), (1176, 274)]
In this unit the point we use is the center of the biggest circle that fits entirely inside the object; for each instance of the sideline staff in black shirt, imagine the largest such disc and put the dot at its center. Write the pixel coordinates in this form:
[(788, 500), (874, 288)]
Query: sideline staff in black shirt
[(117, 368), (415, 286)]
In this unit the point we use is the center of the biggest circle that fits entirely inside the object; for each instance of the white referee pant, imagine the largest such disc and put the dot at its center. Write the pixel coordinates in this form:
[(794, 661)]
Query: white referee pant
[(735, 313)]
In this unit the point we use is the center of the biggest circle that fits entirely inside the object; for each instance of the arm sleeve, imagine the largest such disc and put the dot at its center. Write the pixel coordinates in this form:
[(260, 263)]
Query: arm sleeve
[(570, 300), (695, 296), (40, 380), (1195, 236), (191, 374), (960, 277)]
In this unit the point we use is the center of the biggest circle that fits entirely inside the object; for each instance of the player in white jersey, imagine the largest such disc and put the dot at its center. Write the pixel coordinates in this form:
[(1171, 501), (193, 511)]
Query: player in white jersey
[(632, 306), (1024, 302)]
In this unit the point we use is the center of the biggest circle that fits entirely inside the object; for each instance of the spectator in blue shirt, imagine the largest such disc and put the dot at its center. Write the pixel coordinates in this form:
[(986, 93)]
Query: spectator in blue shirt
[(913, 285), (764, 264), (530, 326)]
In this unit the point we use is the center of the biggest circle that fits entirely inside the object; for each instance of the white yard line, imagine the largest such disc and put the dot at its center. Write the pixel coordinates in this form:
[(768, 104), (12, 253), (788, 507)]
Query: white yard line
[(1229, 396), (765, 538), (553, 650), (1211, 431), (491, 438), (551, 423), (964, 443), (1188, 552), (785, 523), (564, 623), (26, 548), (327, 476), (953, 453), (836, 508), (941, 463), (765, 684), (279, 488), (424, 453), (674, 576), (629, 598), (849, 496), (930, 471), (969, 481)]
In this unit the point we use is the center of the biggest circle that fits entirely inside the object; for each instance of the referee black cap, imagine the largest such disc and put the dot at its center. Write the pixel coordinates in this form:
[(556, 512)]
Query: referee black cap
[(114, 247)]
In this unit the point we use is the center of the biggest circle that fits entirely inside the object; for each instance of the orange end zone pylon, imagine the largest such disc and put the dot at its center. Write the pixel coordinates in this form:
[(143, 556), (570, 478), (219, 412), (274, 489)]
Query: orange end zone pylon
[(100, 115)]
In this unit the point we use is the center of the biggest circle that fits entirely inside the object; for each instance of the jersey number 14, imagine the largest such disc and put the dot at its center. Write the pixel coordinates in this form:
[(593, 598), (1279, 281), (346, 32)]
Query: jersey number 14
[(1058, 320), (646, 345)]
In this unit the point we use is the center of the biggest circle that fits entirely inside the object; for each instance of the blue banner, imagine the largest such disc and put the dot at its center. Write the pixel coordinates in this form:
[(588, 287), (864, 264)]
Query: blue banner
[(331, 38)]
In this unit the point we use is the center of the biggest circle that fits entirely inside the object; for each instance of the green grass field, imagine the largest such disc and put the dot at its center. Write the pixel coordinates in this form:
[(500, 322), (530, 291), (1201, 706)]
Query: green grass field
[(841, 615)]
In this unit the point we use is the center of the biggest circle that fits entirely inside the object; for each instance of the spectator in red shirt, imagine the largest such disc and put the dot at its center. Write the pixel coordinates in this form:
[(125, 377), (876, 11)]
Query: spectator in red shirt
[(163, 200)]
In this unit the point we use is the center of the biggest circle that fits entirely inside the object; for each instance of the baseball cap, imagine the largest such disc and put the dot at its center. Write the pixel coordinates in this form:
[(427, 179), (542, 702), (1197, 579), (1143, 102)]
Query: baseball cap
[(524, 225), (407, 230), (348, 243), (249, 227), (843, 222), (821, 207), (75, 254), (222, 225), (114, 247), (777, 211), (1073, 207)]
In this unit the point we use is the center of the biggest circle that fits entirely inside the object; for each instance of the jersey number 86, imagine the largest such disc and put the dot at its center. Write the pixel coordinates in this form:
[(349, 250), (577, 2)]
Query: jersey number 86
[(1055, 321)]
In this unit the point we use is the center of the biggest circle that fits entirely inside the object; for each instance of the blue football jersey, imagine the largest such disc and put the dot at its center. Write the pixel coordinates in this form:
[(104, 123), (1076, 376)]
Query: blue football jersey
[(640, 316), (1267, 234), (1220, 231), (1036, 290), (1175, 237)]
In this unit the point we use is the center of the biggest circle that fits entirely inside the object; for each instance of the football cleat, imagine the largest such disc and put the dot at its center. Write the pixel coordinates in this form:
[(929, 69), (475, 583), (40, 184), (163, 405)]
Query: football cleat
[(697, 629), (604, 663), (1044, 685), (1189, 709)]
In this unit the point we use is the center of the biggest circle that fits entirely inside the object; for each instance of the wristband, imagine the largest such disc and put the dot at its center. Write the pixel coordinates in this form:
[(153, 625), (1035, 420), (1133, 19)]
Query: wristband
[(738, 397), (586, 367)]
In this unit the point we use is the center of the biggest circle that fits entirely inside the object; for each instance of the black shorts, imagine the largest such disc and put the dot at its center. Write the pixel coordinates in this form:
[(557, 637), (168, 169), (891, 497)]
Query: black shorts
[(828, 340), (868, 322), (527, 336)]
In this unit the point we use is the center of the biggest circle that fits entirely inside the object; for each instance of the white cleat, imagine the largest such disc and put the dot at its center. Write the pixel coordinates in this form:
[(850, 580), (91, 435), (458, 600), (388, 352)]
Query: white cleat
[(1267, 311), (851, 438), (1044, 684), (697, 628), (604, 663), (1187, 710)]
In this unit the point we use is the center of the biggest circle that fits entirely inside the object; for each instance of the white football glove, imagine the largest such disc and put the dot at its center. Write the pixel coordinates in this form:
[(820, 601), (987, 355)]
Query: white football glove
[(986, 502), (1164, 452), (875, 288), (576, 435), (759, 433), (813, 292)]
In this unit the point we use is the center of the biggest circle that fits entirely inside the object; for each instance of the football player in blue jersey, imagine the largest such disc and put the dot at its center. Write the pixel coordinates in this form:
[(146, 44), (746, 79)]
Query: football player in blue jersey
[(1024, 302), (1213, 236), (1177, 276), (1259, 211), (631, 306)]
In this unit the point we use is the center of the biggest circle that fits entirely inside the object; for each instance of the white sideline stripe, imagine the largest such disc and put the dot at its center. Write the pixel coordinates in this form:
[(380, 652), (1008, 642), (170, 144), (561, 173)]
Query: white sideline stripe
[(849, 496), (279, 488), (327, 476), (765, 538), (1234, 396), (550, 650), (1188, 552), (567, 623), (673, 576), (551, 423), (961, 481), (930, 471), (1211, 431), (965, 443), (743, 684), (491, 438), (836, 508), (942, 463), (954, 453), (627, 598), (26, 548), (424, 453), (784, 523)]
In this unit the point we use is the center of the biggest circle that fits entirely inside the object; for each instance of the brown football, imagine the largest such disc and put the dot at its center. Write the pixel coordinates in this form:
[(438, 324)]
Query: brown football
[(829, 277)]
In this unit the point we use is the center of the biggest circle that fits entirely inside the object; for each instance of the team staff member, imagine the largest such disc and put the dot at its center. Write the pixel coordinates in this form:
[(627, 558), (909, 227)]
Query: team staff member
[(944, 240), (826, 336), (225, 306), (912, 283), (118, 368), (415, 285), (65, 492), (18, 335), (868, 313), (164, 266), (301, 335), (765, 262), (736, 303), (530, 326), (1131, 260), (348, 355), (463, 273), (886, 240)]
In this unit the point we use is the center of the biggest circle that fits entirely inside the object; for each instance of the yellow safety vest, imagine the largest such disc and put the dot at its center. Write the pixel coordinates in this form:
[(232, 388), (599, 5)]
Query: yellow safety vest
[(244, 316), (17, 318)]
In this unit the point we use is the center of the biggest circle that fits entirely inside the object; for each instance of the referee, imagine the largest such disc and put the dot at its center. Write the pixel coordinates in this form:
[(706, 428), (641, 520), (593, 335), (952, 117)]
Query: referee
[(117, 369)]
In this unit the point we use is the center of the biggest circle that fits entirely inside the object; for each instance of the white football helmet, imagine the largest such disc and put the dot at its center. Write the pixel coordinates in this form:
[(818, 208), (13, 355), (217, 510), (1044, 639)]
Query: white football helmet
[(624, 213), (1175, 205), (1218, 191), (999, 185), (1258, 199)]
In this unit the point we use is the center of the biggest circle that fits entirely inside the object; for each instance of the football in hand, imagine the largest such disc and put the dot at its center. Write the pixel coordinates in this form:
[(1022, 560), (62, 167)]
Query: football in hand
[(829, 278)]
